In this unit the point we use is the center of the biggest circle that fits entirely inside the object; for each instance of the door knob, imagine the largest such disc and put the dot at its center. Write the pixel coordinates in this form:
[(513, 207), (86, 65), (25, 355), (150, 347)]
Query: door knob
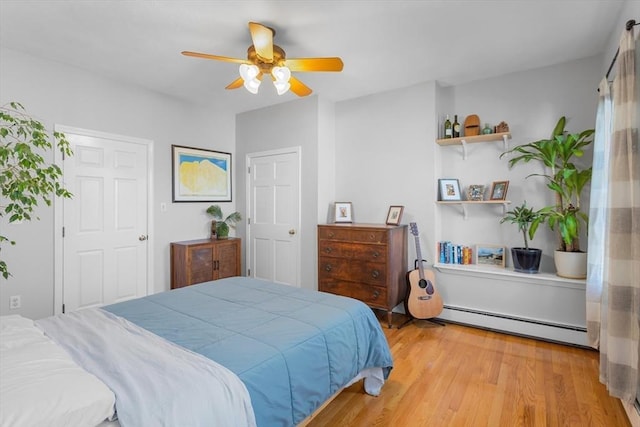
[(292, 232), (142, 238)]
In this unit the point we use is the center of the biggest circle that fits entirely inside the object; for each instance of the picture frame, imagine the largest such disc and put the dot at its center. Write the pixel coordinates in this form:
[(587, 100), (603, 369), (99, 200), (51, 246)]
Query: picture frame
[(449, 189), (343, 212), (499, 190), (492, 255), (475, 193), (394, 216), (200, 175)]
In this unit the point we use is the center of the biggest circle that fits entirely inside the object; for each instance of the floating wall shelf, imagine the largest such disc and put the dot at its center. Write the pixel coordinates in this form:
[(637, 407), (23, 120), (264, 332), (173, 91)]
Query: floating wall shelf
[(464, 140), (464, 203)]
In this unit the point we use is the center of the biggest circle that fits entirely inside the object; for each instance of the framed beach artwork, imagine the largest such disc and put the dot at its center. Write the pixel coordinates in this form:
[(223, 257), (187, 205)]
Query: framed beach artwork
[(200, 175), (490, 255)]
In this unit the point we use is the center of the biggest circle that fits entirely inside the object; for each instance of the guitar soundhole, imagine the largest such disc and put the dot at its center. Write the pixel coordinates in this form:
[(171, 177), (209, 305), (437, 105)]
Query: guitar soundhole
[(427, 285)]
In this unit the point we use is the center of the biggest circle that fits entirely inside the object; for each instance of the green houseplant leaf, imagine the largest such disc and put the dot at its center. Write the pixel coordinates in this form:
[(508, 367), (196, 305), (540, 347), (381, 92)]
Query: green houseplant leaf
[(564, 178), (222, 226), (26, 179), (524, 217)]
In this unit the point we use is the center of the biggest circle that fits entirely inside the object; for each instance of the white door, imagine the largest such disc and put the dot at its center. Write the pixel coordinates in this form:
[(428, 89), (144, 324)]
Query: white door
[(105, 224), (274, 221)]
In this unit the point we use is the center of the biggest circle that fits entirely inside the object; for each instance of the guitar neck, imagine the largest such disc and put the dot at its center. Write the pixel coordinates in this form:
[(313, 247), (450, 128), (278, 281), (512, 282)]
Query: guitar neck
[(419, 255)]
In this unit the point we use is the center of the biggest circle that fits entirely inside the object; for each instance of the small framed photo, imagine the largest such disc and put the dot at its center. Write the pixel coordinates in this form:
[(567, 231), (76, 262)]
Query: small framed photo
[(475, 193), (343, 212), (499, 190), (449, 189), (490, 255), (395, 215)]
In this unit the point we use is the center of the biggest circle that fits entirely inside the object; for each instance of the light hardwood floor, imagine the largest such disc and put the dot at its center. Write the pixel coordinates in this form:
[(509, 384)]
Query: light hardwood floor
[(461, 376)]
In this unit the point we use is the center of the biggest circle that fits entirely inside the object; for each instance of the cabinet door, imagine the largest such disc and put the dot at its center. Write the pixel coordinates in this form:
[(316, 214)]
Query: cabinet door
[(228, 259), (200, 264)]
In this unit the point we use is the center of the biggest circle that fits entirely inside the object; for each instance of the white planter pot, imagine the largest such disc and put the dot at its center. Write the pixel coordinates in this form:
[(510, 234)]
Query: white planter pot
[(572, 265)]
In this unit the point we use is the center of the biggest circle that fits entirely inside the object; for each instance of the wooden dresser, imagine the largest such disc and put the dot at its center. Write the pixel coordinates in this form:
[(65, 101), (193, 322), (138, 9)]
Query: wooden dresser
[(364, 261), (197, 261)]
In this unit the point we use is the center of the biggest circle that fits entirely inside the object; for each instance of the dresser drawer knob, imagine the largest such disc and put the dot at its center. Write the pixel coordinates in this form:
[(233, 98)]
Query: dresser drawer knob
[(328, 250), (331, 235), (375, 274), (372, 236), (376, 294), (376, 254), (327, 267)]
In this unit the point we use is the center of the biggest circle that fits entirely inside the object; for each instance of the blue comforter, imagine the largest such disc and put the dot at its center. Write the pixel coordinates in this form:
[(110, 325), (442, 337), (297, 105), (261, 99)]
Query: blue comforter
[(293, 348)]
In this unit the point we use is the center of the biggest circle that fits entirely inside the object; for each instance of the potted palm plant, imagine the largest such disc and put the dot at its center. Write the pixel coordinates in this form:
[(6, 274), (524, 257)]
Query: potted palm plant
[(567, 180), (525, 259), (220, 226)]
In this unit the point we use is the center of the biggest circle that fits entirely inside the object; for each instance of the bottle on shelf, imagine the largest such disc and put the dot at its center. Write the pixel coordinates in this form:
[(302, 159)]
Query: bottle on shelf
[(448, 128), (456, 127), (487, 129)]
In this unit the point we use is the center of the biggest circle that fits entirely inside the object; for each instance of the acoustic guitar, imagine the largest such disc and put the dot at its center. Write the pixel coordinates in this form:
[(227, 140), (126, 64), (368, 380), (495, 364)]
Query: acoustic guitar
[(423, 300)]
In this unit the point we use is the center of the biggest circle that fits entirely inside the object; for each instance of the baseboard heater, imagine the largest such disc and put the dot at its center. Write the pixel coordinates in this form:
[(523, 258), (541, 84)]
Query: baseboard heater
[(516, 318)]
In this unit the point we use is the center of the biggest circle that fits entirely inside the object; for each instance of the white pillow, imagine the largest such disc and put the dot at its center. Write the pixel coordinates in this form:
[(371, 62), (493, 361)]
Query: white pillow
[(40, 385)]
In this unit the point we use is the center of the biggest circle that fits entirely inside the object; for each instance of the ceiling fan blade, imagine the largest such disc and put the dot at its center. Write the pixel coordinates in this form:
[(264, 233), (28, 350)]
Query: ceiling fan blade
[(235, 84), (298, 87), (216, 57), (314, 64), (262, 40)]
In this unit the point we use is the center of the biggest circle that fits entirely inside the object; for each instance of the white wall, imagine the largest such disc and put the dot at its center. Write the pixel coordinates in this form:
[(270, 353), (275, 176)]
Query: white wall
[(386, 152), (531, 102), (385, 156), (291, 124), (58, 94)]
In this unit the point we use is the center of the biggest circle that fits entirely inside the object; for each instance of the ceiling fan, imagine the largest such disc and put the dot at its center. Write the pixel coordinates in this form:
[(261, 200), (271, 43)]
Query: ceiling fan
[(266, 58)]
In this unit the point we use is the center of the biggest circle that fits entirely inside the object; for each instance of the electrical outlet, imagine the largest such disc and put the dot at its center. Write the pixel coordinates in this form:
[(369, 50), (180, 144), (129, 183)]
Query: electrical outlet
[(14, 302)]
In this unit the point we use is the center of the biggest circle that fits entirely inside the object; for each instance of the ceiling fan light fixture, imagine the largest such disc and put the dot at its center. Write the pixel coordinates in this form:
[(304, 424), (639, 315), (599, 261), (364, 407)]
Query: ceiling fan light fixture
[(249, 74), (281, 77)]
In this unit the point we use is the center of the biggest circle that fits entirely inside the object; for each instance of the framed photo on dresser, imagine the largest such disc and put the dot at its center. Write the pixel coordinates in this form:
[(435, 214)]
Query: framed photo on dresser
[(343, 212), (395, 215)]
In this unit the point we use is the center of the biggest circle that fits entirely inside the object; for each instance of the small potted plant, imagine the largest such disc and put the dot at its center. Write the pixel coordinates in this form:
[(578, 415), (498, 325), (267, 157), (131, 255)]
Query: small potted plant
[(220, 226), (525, 259)]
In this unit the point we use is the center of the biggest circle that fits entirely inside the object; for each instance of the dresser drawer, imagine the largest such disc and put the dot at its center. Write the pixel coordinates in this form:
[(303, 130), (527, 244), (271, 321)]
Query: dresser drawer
[(369, 252), (351, 235), (346, 269), (374, 296)]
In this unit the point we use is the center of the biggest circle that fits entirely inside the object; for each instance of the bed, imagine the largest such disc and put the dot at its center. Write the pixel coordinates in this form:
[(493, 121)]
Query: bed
[(280, 351)]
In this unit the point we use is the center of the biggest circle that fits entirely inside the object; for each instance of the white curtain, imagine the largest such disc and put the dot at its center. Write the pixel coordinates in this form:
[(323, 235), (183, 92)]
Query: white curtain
[(598, 213), (613, 288)]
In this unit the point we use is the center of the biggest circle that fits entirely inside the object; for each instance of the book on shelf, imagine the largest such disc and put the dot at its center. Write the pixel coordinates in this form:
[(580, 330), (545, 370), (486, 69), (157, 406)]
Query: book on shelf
[(450, 253)]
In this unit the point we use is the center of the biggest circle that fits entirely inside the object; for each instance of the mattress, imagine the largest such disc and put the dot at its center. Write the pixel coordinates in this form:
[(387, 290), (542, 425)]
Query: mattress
[(40, 384), (293, 348)]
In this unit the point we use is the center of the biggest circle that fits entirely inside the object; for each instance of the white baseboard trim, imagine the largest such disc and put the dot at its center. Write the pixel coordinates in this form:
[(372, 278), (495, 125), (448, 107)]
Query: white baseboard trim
[(632, 413), (565, 334)]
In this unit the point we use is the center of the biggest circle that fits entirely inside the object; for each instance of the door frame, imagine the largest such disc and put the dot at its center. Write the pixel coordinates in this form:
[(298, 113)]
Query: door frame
[(58, 216), (297, 150)]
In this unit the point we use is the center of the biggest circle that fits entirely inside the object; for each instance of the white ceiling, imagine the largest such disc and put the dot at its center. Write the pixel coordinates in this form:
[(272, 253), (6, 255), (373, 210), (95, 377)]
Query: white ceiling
[(384, 44)]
